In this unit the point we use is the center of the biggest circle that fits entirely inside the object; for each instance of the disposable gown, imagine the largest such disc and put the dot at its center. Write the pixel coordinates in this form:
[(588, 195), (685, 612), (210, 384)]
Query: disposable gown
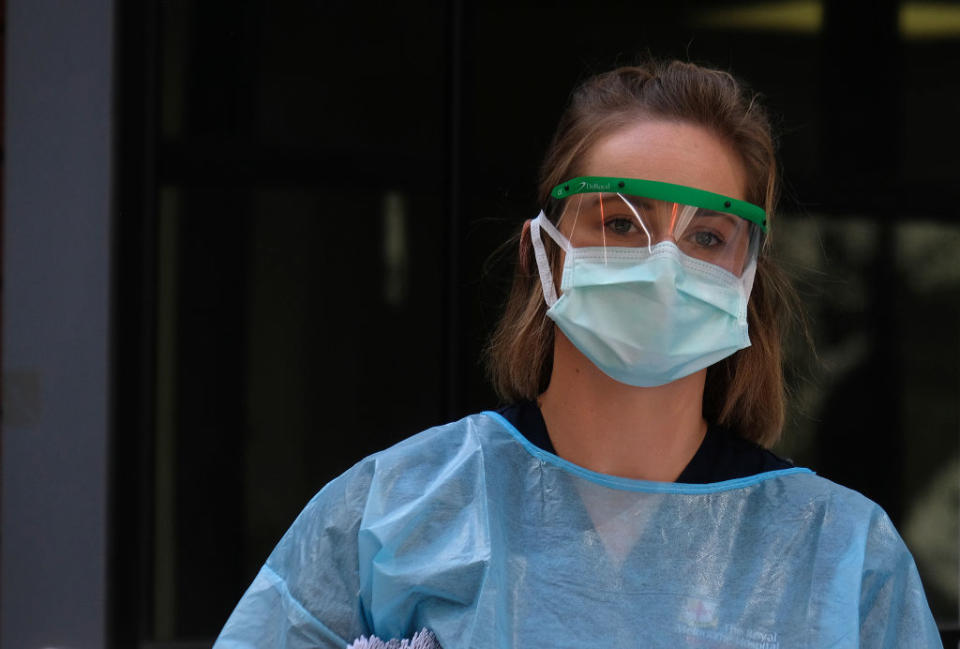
[(469, 530)]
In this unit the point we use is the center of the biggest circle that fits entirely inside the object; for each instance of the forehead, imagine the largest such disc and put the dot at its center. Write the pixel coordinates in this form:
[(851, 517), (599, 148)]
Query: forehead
[(673, 152)]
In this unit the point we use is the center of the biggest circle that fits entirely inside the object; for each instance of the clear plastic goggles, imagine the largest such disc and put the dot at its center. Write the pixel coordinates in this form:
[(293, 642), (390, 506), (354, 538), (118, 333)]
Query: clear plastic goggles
[(602, 212)]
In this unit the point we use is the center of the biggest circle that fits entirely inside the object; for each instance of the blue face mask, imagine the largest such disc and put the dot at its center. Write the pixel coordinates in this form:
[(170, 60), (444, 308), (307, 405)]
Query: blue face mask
[(645, 315)]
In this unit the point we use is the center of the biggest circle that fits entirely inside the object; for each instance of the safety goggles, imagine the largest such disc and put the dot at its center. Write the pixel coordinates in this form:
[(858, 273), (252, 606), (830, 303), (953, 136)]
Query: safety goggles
[(604, 212)]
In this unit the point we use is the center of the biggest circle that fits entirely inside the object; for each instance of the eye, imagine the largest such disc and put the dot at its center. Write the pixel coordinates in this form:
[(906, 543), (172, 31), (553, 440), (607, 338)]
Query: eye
[(620, 225), (706, 239)]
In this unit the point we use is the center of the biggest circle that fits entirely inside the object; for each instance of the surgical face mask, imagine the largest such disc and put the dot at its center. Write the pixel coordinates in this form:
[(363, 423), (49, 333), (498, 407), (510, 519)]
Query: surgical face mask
[(656, 276)]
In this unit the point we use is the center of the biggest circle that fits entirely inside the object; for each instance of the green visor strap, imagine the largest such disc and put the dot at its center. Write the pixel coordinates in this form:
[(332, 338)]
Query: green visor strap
[(663, 192)]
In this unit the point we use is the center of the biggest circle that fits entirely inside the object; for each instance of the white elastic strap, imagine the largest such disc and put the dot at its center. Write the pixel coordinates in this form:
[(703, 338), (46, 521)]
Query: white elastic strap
[(640, 222), (543, 263), (554, 233)]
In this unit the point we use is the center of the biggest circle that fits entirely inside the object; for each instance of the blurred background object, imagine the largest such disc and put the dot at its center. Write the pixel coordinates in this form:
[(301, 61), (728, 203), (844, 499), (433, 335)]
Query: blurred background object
[(247, 243)]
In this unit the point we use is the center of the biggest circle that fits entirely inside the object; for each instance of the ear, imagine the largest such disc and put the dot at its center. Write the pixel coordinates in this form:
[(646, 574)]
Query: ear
[(525, 246)]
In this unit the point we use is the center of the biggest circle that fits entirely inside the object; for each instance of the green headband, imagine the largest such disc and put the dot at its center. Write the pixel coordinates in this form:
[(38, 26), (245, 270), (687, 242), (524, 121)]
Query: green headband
[(663, 192)]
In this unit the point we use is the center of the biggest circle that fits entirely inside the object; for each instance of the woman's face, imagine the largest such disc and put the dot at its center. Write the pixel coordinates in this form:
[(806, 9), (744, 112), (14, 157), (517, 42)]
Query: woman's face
[(671, 152)]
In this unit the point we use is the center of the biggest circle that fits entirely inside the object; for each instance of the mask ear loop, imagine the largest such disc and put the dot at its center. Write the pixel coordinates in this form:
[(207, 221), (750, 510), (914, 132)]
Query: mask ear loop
[(543, 263)]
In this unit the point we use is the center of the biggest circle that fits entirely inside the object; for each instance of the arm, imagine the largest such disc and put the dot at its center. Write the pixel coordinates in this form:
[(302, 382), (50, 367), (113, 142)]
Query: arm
[(893, 608), (307, 593)]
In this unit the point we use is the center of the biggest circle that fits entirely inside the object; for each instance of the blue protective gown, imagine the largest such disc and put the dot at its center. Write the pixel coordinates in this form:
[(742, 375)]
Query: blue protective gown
[(473, 532)]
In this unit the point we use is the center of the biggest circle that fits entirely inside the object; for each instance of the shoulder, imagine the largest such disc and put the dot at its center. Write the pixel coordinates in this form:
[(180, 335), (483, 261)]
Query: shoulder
[(818, 513), (415, 468), (841, 526), (448, 462), (833, 501), (426, 482), (446, 452), (893, 609), (857, 553), (438, 446), (854, 525)]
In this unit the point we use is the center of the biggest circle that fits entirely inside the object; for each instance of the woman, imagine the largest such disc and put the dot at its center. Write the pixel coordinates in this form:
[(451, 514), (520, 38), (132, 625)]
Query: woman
[(626, 497)]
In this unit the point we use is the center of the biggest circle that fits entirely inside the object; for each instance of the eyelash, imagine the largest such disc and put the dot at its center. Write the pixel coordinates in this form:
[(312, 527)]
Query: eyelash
[(716, 239), (611, 223)]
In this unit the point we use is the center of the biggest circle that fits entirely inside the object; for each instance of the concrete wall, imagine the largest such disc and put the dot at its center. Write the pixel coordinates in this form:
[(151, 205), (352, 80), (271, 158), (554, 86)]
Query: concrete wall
[(56, 322)]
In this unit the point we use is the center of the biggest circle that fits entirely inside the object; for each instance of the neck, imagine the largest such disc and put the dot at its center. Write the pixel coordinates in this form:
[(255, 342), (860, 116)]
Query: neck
[(618, 429)]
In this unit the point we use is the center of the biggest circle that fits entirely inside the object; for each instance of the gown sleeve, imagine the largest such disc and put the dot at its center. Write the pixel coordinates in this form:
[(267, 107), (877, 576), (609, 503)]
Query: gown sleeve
[(307, 592), (893, 608)]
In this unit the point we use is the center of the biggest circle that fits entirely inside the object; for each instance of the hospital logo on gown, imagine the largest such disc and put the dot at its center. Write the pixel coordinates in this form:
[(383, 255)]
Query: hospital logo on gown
[(699, 623), (699, 612)]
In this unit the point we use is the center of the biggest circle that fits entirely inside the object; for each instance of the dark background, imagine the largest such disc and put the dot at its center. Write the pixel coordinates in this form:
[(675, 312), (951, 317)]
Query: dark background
[(309, 200)]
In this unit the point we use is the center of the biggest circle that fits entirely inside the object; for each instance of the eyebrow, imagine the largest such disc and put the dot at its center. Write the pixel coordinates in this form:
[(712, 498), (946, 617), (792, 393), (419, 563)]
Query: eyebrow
[(637, 201), (705, 213)]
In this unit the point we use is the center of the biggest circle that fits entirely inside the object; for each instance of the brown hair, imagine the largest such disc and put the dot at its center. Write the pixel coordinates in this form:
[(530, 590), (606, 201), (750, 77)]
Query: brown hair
[(745, 391)]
